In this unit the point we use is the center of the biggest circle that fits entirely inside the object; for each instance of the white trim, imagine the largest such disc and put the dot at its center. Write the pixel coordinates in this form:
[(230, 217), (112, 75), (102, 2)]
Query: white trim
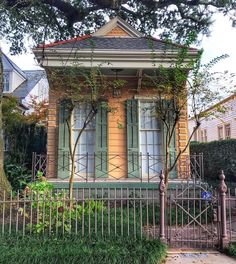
[(117, 22), (125, 59)]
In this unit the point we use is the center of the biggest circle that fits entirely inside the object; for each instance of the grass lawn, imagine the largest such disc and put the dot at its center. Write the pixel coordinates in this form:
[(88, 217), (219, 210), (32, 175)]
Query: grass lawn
[(14, 250)]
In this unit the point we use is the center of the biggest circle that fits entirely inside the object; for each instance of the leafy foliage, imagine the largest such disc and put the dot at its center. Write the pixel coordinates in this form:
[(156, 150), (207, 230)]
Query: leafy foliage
[(54, 20), (39, 111), (231, 250), (55, 212), (22, 133), (217, 156), (18, 176)]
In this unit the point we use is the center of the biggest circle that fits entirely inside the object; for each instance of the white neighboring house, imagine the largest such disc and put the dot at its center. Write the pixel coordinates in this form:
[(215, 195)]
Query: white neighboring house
[(24, 85), (218, 127)]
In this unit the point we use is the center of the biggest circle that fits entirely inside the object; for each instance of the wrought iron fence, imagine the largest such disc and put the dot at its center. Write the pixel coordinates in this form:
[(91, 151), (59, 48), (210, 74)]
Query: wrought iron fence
[(99, 212), (139, 167), (231, 215), (191, 214)]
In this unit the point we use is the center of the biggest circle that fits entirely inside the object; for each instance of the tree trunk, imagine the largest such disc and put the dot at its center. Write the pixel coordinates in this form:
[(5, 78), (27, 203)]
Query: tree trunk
[(4, 183)]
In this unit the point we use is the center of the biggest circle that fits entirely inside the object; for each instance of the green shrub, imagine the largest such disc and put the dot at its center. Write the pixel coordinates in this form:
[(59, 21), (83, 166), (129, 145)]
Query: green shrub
[(55, 212), (18, 176), (231, 250), (217, 156), (80, 250)]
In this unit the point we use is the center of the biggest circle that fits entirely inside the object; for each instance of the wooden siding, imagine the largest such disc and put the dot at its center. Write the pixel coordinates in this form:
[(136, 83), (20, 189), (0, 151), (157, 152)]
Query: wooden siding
[(117, 32), (211, 124), (117, 138)]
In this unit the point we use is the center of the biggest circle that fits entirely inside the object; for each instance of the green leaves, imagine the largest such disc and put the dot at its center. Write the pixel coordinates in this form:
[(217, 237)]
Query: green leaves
[(42, 21)]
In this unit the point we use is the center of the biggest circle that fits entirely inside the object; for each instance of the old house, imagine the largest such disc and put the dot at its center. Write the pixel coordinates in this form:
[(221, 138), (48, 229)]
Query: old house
[(122, 146), (220, 125), (23, 84)]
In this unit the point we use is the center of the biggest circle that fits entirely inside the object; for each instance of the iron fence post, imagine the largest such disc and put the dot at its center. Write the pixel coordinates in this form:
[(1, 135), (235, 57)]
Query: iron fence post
[(33, 166), (223, 232), (162, 189)]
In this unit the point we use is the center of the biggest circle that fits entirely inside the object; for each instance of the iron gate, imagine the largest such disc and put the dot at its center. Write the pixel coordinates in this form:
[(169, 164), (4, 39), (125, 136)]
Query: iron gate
[(192, 218)]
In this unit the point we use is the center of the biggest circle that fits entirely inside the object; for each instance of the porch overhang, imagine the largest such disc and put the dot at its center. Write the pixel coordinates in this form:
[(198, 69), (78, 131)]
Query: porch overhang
[(112, 59)]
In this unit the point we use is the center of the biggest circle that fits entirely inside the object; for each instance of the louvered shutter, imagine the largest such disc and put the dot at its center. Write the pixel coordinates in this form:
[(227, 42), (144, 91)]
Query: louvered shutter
[(132, 138), (63, 168), (101, 160)]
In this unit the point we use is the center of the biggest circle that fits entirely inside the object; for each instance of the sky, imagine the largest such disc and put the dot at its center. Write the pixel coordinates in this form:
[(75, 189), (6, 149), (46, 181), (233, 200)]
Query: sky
[(221, 41)]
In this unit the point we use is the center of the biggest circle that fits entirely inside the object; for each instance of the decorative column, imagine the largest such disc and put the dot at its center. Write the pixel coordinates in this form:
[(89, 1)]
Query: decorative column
[(162, 189), (222, 191)]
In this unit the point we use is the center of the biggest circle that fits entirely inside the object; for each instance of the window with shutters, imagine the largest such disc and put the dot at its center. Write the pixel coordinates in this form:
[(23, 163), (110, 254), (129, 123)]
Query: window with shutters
[(85, 150), (145, 140), (150, 137), (91, 151)]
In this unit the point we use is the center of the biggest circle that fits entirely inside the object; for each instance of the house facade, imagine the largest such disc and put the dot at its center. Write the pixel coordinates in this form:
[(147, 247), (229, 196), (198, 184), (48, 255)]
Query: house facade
[(124, 144), (218, 126), (24, 85)]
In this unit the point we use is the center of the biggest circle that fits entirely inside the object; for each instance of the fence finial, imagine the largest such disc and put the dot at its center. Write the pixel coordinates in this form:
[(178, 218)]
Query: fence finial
[(222, 185), (162, 185)]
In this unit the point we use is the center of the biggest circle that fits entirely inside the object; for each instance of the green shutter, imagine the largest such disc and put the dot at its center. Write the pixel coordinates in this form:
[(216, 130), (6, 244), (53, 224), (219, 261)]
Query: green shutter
[(170, 116), (63, 168), (101, 161), (132, 138)]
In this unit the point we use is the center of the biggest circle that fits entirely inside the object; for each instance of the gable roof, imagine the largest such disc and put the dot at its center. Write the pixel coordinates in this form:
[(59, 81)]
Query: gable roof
[(9, 65), (114, 43), (103, 40), (222, 102), (117, 22), (33, 77)]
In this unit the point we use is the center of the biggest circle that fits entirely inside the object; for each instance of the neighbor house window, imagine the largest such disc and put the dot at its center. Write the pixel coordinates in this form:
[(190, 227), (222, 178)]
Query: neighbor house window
[(202, 136), (205, 135), (227, 131), (195, 135), (220, 132), (6, 82)]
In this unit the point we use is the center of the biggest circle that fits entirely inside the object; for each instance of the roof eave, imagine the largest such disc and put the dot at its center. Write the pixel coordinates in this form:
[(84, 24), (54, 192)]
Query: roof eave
[(110, 58)]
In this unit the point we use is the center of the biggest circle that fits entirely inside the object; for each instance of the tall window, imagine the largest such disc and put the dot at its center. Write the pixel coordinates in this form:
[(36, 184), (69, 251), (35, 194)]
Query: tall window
[(220, 132), (227, 131), (86, 147), (150, 137), (6, 82), (203, 135)]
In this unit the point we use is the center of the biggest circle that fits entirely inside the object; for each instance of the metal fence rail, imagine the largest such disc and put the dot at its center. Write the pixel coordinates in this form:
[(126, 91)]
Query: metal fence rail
[(99, 212), (95, 167), (191, 214), (231, 215)]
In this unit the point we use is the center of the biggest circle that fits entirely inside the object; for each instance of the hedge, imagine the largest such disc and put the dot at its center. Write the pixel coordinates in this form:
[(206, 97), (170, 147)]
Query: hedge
[(217, 156)]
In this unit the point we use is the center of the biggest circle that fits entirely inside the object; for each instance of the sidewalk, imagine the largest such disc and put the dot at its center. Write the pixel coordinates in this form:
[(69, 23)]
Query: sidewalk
[(197, 257)]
